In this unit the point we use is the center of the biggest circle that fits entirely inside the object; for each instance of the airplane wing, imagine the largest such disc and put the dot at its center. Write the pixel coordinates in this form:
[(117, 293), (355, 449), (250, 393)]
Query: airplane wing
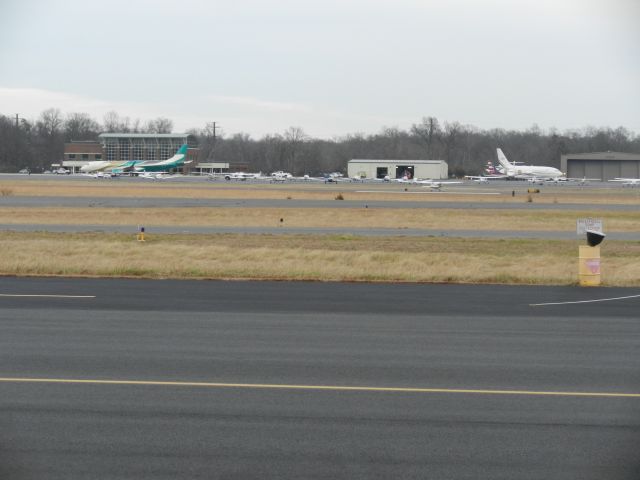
[(437, 182), (627, 181), (483, 178)]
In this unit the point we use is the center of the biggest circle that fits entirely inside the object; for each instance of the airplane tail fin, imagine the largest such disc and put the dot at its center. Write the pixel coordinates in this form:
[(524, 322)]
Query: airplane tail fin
[(183, 149), (503, 160), (491, 169)]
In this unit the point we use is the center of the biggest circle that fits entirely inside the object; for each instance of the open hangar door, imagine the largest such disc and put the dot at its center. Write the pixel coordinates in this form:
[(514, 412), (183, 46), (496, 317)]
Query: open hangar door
[(405, 171)]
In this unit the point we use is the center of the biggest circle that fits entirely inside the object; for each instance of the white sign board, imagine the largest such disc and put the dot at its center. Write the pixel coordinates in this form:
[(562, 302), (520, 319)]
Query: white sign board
[(584, 224)]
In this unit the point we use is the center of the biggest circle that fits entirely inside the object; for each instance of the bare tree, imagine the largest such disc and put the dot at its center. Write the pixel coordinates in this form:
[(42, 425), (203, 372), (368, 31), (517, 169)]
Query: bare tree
[(80, 126), (449, 138), (136, 126), (159, 125), (50, 122), (111, 122), (294, 137), (114, 123), (428, 132)]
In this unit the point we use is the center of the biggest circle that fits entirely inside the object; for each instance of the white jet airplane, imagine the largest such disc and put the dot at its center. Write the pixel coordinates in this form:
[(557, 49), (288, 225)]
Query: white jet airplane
[(512, 170)]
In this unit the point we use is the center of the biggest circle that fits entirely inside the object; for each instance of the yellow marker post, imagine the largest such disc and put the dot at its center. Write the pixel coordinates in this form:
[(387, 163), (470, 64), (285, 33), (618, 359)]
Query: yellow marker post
[(140, 235), (589, 266)]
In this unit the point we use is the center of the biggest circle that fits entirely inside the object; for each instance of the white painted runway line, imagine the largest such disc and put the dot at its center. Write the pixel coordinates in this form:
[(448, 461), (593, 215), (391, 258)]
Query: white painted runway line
[(428, 192), (612, 299), (338, 388), (44, 295)]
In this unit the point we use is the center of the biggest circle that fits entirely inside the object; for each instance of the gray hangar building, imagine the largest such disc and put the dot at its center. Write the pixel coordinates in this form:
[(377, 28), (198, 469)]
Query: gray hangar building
[(602, 165), (368, 168)]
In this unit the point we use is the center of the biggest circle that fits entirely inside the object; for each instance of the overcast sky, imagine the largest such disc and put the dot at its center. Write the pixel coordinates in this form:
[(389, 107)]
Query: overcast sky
[(332, 67)]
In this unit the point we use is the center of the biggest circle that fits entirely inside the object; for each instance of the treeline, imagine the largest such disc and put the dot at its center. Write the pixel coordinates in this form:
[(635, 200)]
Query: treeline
[(36, 145), (465, 148)]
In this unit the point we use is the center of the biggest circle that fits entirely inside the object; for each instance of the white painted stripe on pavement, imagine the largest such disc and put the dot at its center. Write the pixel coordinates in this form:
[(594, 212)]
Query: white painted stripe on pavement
[(45, 295), (584, 301)]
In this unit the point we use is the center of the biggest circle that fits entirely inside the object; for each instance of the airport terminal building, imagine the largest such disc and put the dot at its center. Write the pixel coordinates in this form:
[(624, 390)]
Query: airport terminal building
[(116, 147), (602, 165), (368, 168)]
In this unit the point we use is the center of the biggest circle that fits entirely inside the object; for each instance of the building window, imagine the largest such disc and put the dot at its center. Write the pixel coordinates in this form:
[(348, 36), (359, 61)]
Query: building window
[(85, 156), (112, 153), (124, 152), (137, 152), (164, 151), (72, 156), (98, 156)]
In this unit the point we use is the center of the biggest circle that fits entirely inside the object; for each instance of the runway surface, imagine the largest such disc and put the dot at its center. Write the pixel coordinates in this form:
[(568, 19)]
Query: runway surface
[(256, 380)]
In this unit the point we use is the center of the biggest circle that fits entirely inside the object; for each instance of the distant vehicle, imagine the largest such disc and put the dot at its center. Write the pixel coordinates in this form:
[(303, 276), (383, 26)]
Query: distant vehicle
[(62, 171), (25, 171), (280, 176)]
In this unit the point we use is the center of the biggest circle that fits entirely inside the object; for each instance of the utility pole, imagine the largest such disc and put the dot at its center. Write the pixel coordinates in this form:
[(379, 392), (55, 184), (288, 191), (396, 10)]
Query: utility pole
[(214, 127), (18, 118)]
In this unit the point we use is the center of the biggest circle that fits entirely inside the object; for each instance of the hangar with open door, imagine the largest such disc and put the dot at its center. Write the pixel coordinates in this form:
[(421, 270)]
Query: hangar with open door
[(381, 169)]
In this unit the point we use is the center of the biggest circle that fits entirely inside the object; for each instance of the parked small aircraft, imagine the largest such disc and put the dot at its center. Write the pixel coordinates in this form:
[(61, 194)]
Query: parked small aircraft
[(240, 176), (434, 184), (627, 182)]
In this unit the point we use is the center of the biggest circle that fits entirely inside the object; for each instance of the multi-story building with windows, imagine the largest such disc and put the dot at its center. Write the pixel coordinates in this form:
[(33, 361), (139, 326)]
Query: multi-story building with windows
[(145, 146), (116, 147)]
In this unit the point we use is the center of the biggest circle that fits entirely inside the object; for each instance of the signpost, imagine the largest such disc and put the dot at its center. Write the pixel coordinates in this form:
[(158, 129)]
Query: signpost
[(589, 256), (584, 224)]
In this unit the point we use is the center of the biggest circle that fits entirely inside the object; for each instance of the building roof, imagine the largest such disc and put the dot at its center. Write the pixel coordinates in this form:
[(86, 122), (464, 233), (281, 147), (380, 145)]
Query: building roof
[(369, 160), (143, 135), (602, 156)]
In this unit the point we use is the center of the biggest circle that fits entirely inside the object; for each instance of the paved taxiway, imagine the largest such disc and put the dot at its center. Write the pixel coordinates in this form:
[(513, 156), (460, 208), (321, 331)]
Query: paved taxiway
[(277, 339), (365, 232), (155, 202)]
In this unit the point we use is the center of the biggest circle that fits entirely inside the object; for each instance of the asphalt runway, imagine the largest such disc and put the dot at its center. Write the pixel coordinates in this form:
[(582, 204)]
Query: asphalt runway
[(316, 380)]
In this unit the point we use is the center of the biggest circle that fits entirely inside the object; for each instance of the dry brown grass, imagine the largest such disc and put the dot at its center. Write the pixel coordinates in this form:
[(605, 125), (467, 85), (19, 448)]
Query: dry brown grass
[(301, 257), (396, 218)]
